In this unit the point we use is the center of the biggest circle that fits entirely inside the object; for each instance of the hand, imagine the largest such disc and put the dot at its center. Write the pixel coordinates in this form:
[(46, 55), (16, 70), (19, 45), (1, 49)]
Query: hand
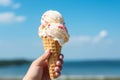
[(39, 68)]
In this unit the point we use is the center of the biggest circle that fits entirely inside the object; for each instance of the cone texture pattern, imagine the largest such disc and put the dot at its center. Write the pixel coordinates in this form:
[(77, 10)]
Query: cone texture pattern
[(55, 50)]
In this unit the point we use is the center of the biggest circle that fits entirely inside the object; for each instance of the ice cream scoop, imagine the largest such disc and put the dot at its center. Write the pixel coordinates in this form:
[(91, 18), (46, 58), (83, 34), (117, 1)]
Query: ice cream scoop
[(51, 16), (56, 31)]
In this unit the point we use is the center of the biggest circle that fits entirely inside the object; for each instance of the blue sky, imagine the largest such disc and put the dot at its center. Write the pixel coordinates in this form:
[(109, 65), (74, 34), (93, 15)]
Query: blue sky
[(93, 25)]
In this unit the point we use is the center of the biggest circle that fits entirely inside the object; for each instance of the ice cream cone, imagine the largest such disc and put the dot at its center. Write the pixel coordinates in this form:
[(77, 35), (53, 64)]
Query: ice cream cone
[(55, 50)]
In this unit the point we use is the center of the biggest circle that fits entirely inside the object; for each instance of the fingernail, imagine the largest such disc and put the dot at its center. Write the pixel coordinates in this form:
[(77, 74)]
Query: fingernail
[(57, 74), (58, 63), (56, 69), (61, 56)]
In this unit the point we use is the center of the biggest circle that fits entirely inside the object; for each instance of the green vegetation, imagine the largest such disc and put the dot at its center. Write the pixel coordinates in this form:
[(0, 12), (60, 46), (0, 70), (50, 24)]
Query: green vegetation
[(13, 62)]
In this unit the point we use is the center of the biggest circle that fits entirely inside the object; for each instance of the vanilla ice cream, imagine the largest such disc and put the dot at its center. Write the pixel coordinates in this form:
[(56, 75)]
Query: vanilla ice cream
[(56, 31), (51, 16)]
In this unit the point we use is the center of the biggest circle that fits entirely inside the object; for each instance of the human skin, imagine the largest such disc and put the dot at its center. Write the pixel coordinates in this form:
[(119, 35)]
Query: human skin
[(39, 68)]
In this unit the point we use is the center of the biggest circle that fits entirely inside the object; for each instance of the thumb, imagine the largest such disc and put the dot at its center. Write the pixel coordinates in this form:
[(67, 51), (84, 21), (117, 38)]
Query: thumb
[(45, 55), (42, 58)]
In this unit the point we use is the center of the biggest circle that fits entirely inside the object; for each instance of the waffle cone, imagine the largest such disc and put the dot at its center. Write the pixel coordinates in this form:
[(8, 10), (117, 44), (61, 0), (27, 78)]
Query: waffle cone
[(55, 50)]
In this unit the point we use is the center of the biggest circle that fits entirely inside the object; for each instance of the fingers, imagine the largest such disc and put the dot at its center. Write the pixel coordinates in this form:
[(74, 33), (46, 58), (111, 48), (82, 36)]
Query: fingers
[(42, 58), (58, 67), (57, 74), (60, 61)]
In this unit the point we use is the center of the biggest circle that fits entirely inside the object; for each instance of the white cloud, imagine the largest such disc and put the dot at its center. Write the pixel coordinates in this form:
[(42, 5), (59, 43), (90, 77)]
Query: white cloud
[(102, 34), (9, 3), (5, 3), (10, 17), (84, 39), (16, 6), (91, 39)]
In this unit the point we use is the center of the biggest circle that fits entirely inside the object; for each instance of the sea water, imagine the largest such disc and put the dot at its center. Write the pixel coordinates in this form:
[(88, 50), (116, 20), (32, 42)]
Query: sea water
[(106, 68)]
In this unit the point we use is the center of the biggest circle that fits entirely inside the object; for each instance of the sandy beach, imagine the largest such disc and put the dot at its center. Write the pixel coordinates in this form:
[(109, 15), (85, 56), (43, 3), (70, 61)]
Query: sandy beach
[(68, 77), (89, 78)]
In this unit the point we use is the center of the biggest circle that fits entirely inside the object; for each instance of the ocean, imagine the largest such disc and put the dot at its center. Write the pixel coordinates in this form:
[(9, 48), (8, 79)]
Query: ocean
[(94, 68)]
